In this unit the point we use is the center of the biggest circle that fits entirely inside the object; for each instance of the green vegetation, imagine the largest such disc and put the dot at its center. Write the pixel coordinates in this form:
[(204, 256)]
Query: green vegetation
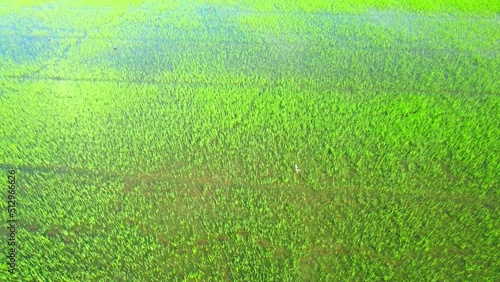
[(158, 143), (343, 6)]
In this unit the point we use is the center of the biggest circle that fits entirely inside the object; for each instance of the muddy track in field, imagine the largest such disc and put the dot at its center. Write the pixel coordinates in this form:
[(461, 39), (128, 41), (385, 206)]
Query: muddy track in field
[(198, 180)]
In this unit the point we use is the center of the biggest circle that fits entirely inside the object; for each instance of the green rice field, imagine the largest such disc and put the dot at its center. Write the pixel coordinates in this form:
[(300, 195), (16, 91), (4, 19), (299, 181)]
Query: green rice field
[(244, 141)]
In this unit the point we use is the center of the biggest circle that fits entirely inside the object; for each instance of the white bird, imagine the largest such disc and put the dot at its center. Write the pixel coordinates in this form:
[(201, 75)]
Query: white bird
[(297, 169)]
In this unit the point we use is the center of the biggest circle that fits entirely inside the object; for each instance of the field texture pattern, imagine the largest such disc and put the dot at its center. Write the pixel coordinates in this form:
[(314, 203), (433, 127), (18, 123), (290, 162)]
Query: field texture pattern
[(239, 142)]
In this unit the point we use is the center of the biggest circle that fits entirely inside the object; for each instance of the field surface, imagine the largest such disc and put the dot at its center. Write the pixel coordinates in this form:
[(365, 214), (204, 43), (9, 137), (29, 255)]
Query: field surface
[(159, 142)]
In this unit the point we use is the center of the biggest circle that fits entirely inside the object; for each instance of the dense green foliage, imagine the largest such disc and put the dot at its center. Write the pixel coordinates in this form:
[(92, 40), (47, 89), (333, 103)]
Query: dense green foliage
[(159, 144), (340, 6)]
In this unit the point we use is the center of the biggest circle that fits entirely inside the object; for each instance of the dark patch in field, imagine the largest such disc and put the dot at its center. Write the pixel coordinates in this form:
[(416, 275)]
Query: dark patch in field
[(70, 239), (281, 253), (227, 273), (264, 243), (33, 227), (223, 238), (162, 240), (339, 248), (201, 242), (53, 232)]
